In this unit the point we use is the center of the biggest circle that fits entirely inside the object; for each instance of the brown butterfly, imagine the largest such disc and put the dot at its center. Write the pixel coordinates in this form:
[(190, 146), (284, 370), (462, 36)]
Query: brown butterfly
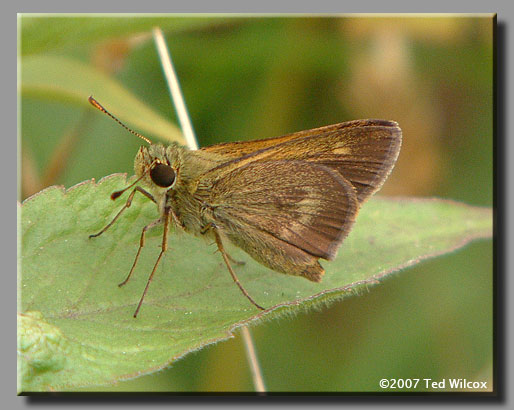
[(286, 201)]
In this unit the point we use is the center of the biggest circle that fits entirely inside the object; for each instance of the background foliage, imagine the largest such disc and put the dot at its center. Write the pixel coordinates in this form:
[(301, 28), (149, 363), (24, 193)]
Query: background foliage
[(247, 78)]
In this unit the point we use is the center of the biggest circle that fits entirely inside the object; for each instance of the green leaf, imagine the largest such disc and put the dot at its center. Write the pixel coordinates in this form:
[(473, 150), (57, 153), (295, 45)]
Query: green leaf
[(68, 80), (47, 33), (76, 326)]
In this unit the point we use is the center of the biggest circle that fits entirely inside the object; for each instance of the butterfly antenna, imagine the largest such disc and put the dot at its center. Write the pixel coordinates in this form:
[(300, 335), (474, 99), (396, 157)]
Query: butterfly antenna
[(96, 104)]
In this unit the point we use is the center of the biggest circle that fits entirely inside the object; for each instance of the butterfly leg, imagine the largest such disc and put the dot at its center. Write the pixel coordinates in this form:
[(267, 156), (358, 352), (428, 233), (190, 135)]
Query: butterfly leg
[(210, 226), (227, 258), (166, 219), (141, 244), (235, 261), (127, 205)]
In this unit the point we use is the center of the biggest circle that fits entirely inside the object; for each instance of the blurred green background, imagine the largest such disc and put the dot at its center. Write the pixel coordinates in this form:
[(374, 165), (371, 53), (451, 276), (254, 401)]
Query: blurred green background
[(247, 78)]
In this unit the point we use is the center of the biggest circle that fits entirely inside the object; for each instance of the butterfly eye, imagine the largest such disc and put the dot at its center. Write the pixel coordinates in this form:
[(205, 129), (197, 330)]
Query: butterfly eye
[(162, 175)]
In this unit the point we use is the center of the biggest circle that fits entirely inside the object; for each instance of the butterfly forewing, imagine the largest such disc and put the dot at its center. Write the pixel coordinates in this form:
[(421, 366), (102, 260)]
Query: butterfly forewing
[(363, 152)]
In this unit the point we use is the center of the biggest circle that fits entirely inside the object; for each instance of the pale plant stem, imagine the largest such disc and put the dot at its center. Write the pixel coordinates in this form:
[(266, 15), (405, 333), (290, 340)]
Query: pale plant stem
[(251, 356), (187, 129), (174, 87)]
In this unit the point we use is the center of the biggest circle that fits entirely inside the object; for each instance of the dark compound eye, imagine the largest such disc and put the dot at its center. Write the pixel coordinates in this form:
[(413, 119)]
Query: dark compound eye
[(163, 175)]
